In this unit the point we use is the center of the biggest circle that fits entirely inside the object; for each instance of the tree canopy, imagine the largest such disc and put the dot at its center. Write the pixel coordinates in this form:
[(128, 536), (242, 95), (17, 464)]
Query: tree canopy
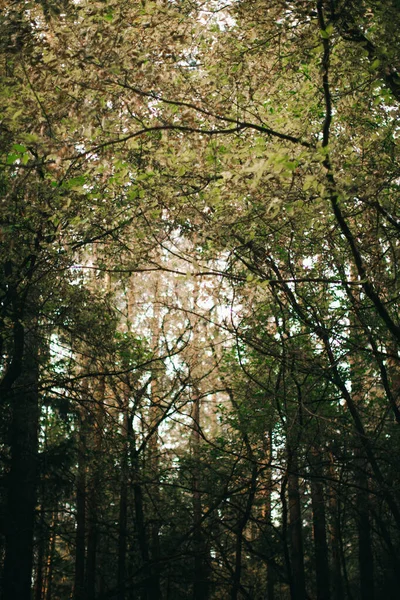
[(199, 300)]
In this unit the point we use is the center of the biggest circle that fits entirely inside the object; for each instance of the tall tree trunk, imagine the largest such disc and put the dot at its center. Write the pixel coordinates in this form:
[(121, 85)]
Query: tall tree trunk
[(127, 446), (22, 477), (140, 524), (154, 589), (92, 542), (153, 585), (359, 376), (123, 500), (365, 555), (41, 552), (80, 549), (298, 585), (285, 529), (334, 537), (268, 516), (94, 486), (50, 557), (200, 574), (244, 518), (319, 526), (236, 584)]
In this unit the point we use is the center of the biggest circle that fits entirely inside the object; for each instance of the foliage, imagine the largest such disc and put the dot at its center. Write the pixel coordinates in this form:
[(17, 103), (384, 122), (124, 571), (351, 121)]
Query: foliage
[(199, 299)]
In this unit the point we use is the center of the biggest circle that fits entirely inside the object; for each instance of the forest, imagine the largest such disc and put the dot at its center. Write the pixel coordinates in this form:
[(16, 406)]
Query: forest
[(199, 299)]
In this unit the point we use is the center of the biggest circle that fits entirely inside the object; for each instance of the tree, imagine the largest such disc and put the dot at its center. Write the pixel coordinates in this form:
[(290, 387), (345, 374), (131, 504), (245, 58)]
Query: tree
[(224, 385)]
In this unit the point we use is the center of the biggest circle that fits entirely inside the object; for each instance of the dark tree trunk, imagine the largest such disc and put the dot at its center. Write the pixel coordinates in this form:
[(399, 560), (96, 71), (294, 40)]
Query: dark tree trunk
[(201, 571), (22, 477), (298, 586), (285, 526), (334, 530), (41, 553), (268, 516), (92, 542), (240, 529), (319, 527), (50, 558), (153, 569), (154, 587), (150, 590), (94, 486), (365, 556), (80, 550), (127, 447), (238, 564), (123, 501)]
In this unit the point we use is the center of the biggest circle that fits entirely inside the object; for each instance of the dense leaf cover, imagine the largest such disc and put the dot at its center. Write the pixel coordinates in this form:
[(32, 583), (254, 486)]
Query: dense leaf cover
[(199, 299)]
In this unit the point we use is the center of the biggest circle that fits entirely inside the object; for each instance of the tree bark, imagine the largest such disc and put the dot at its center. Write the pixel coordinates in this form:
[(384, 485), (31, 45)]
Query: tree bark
[(298, 585), (268, 516), (334, 535), (123, 501), (365, 555), (41, 552), (154, 587), (94, 485), (319, 527), (200, 573), (50, 558), (141, 528), (240, 531), (22, 477), (80, 550), (92, 540)]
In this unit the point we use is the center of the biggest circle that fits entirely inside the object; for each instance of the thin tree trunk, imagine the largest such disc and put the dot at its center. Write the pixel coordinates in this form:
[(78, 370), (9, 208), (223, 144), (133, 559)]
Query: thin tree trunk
[(298, 586), (153, 585), (126, 434), (268, 517), (285, 528), (319, 527), (41, 553), (123, 503), (22, 477), (80, 550), (365, 555), (200, 574), (140, 525), (334, 536), (92, 540), (94, 484), (243, 520), (240, 530), (42, 533), (154, 589), (50, 558)]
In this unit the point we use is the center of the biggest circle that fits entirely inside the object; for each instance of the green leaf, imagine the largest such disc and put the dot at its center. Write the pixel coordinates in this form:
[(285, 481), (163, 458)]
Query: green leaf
[(31, 137), (329, 29), (19, 148), (75, 182), (17, 114), (11, 158), (309, 182)]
